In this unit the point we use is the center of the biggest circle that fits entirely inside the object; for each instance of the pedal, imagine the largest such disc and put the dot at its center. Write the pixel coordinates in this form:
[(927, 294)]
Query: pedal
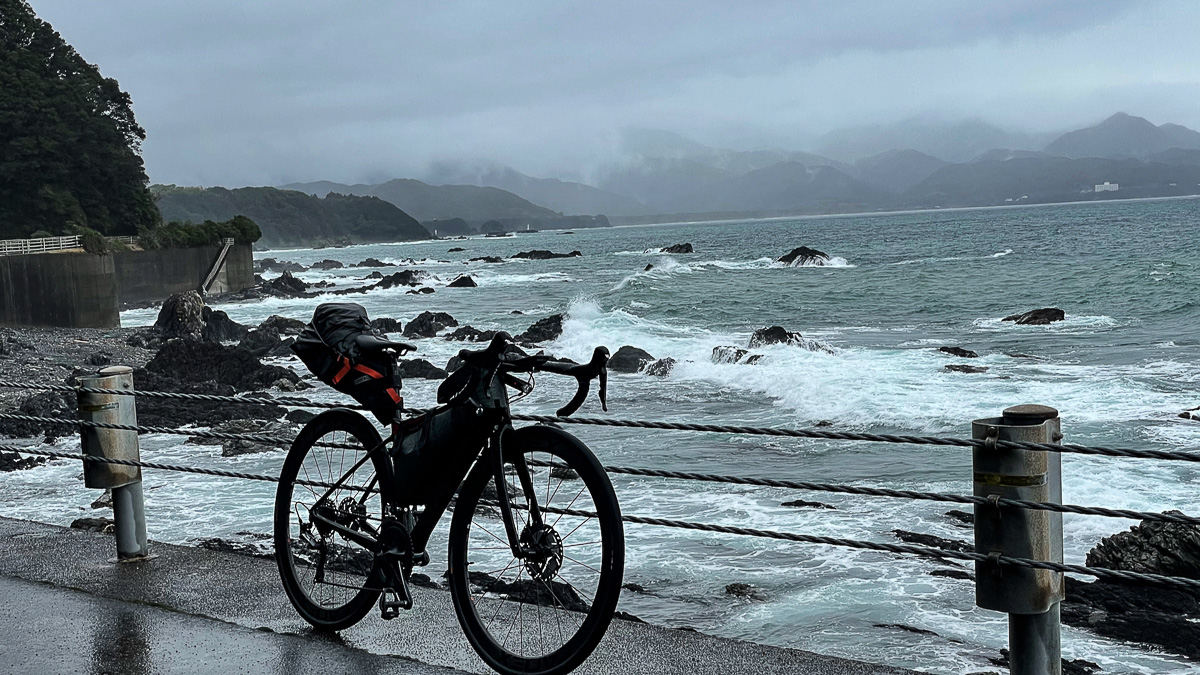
[(394, 599), (390, 605)]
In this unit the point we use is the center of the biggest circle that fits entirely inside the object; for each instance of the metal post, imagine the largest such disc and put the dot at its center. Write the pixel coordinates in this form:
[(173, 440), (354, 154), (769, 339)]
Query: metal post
[(129, 514), (1030, 597)]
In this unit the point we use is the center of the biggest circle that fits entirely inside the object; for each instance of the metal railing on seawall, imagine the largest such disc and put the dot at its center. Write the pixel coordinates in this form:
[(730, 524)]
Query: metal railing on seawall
[(1016, 494), (40, 245)]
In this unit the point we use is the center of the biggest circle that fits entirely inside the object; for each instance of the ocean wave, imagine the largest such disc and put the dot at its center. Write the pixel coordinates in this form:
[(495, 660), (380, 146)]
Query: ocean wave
[(1073, 323), (999, 254), (834, 261)]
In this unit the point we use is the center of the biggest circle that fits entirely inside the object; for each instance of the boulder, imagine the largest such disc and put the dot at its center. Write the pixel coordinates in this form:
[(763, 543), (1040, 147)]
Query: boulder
[(99, 525), (629, 360), (804, 257), (218, 327), (1152, 547), (285, 285), (487, 259), (775, 335), (677, 248), (427, 324), (11, 461), (471, 334), (372, 262), (661, 367), (456, 249), (462, 281), (327, 265), (401, 278), (543, 330), (196, 361), (933, 541), (962, 575), (384, 324), (99, 359), (728, 354), (747, 591), (373, 275), (181, 316), (166, 412), (260, 342), (649, 266), (539, 254), (283, 325), (273, 265), (419, 369), (1037, 317), (424, 290), (281, 429), (43, 404), (965, 368), (959, 352), (808, 505)]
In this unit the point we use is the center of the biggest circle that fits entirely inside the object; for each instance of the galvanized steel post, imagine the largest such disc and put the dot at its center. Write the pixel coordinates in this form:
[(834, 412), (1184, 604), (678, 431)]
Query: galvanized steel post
[(1030, 597), (129, 513)]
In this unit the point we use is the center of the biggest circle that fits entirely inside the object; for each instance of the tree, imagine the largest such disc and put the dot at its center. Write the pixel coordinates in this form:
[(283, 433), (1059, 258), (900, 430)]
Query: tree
[(69, 144)]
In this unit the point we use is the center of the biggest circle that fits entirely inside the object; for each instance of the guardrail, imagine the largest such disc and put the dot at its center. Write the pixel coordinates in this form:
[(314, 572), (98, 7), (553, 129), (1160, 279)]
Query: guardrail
[(1017, 494), (41, 245)]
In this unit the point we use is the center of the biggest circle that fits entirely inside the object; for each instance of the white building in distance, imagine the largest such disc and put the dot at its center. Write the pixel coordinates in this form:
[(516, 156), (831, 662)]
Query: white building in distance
[(1106, 187)]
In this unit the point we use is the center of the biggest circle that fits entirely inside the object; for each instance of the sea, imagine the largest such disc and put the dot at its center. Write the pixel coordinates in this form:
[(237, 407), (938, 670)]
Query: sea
[(1120, 368)]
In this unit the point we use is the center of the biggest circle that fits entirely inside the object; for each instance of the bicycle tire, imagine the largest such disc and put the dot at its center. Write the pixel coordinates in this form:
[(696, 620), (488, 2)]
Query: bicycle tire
[(496, 593), (328, 605)]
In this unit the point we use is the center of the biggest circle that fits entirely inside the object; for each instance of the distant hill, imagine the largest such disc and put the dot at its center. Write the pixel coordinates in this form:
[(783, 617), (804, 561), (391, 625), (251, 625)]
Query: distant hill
[(1176, 156), (1003, 154), (1049, 179), (472, 203), (895, 170), (291, 218), (958, 141), (572, 199), (787, 186), (1124, 135)]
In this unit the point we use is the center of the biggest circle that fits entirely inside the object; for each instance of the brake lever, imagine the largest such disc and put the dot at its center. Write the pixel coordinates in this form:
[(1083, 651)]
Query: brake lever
[(583, 374)]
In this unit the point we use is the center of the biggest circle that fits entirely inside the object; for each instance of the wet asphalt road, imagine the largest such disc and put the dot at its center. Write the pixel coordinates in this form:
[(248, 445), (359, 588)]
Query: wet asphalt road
[(67, 609)]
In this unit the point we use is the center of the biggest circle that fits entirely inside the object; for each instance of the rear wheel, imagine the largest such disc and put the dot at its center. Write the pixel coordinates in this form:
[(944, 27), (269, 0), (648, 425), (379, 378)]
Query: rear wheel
[(332, 581), (545, 612)]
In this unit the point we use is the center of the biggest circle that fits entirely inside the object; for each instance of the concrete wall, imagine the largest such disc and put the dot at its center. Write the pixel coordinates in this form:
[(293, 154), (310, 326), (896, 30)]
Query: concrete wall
[(72, 290), (151, 276), (81, 290)]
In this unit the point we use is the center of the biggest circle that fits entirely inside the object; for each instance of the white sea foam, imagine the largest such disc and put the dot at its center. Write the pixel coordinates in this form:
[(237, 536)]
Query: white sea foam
[(998, 254)]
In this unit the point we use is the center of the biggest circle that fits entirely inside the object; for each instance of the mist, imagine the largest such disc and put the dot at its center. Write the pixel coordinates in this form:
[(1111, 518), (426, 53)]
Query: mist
[(266, 93)]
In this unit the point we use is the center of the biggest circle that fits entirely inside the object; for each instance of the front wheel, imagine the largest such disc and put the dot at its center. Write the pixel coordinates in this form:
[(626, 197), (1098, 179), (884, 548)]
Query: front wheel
[(331, 580), (545, 612)]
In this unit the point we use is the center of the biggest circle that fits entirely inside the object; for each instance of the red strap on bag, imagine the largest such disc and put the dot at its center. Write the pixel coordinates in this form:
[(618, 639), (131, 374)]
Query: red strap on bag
[(345, 369), (369, 371)]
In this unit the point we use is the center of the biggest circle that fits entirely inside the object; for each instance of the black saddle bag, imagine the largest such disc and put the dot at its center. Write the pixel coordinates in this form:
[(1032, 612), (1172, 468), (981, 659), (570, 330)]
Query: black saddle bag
[(328, 347)]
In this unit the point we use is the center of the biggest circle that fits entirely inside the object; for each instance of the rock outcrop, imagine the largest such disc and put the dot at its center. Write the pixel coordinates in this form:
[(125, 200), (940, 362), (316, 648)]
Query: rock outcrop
[(281, 429), (959, 352), (419, 369), (471, 334), (43, 404), (1037, 317), (327, 265), (964, 368), (543, 330), (804, 257), (372, 262), (402, 278), (273, 265), (427, 324), (728, 354), (384, 324), (778, 335), (661, 367), (196, 361), (286, 285), (629, 360), (462, 281), (181, 316), (539, 254), (218, 327), (677, 248)]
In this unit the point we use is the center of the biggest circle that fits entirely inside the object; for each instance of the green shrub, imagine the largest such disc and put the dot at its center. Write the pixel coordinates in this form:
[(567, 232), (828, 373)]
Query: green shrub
[(92, 241), (209, 233)]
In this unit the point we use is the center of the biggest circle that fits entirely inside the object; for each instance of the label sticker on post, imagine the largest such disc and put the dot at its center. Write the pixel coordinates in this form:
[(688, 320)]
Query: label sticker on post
[(1007, 480)]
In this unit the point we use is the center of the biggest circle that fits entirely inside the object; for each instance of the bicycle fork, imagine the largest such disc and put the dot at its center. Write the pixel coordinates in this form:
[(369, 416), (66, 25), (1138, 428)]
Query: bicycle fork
[(521, 549)]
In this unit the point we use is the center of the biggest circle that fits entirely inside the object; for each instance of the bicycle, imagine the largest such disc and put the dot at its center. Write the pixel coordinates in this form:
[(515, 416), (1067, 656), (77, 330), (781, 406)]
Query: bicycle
[(534, 585)]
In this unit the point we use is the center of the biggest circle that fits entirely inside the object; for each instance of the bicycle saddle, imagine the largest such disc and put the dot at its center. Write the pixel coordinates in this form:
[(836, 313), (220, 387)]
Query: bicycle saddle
[(370, 344)]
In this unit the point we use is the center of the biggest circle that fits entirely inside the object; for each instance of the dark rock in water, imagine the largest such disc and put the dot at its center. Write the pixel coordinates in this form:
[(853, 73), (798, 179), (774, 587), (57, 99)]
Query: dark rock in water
[(677, 248), (539, 254), (516, 311), (402, 278), (905, 627), (634, 588), (823, 423), (543, 330), (327, 265), (1038, 317), (197, 361), (471, 334), (661, 367), (740, 590), (959, 352), (101, 525), (754, 358), (564, 473), (953, 574), (626, 616), (181, 316), (423, 580), (218, 327), (1188, 416), (487, 259), (1166, 617), (424, 290), (281, 429), (286, 285), (11, 461), (386, 325), (629, 360), (727, 354), (811, 505), (273, 265), (43, 404), (964, 368), (372, 262), (961, 516), (282, 325), (11, 343), (373, 275), (1073, 667), (462, 281), (260, 342), (1152, 547), (165, 412), (299, 416), (933, 541), (648, 267), (104, 501), (99, 359), (456, 249), (427, 324), (775, 335), (419, 369), (804, 257)]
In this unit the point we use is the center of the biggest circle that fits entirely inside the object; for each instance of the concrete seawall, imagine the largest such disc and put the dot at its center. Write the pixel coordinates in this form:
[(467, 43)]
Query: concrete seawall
[(82, 290)]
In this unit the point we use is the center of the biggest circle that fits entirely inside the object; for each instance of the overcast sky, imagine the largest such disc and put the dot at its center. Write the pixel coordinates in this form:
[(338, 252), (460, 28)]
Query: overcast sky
[(265, 92)]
